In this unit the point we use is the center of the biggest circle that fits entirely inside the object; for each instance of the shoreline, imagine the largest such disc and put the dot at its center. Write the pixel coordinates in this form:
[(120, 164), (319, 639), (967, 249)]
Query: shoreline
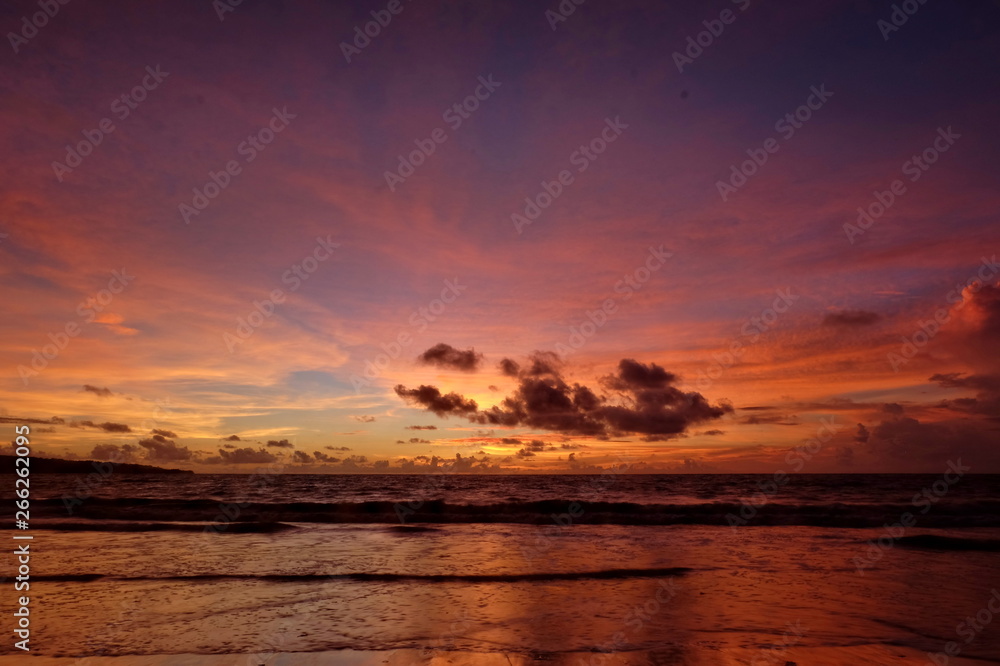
[(690, 655)]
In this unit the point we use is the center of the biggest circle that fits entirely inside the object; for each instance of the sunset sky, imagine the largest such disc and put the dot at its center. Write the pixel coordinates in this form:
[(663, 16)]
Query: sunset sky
[(443, 270)]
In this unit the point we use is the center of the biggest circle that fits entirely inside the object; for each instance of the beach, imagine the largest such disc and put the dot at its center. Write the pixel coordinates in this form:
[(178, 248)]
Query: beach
[(521, 586)]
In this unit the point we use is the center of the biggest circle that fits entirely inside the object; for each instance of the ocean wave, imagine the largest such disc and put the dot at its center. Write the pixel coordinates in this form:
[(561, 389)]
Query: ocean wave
[(129, 526), (982, 513), (938, 542), (604, 574)]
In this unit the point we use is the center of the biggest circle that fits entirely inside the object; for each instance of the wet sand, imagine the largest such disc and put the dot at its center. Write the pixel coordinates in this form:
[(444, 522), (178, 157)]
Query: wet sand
[(118, 592), (345, 594), (858, 655)]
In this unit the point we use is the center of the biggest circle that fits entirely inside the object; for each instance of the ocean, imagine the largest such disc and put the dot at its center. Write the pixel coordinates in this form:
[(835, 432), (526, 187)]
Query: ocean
[(392, 569)]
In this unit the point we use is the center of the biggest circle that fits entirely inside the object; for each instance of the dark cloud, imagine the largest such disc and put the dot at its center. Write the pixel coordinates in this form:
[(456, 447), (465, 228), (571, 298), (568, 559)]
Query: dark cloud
[(422, 427), (160, 449), (322, 457), (338, 448), (775, 419), (233, 438), (926, 446), (634, 375), (713, 433), (509, 440), (692, 466), (537, 445), (280, 444), (115, 453), (509, 367), (851, 318), (106, 426), (987, 383), (354, 462), (974, 341), (430, 398), (364, 418), (986, 306), (845, 456), (542, 363), (974, 344), (643, 402), (301, 457), (459, 464), (102, 392), (418, 440), (831, 405), (909, 444), (243, 456), (21, 419), (987, 388), (445, 356), (163, 433)]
